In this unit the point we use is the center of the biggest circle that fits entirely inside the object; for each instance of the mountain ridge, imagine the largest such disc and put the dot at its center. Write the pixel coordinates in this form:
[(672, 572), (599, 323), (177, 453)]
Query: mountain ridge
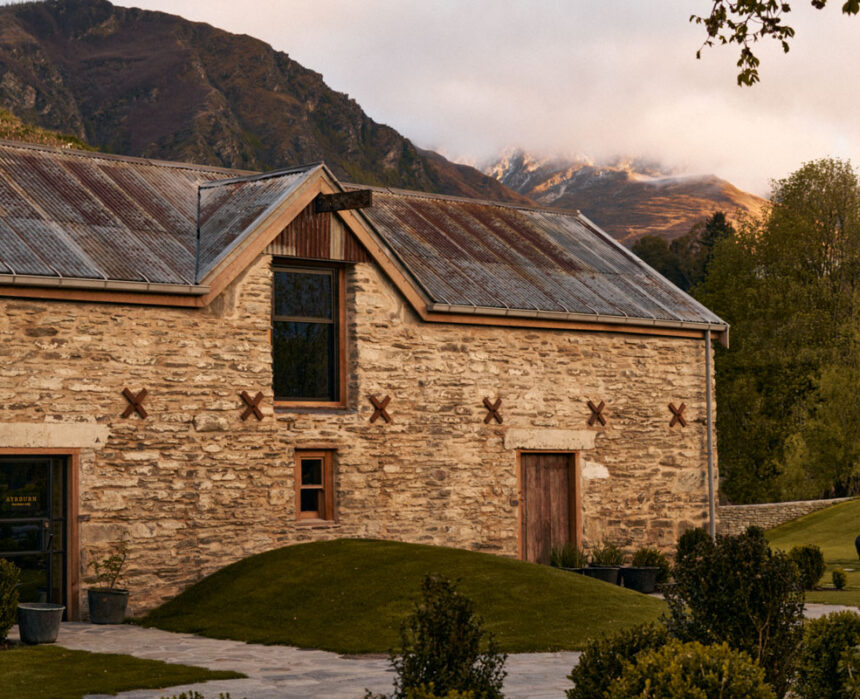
[(629, 199), (151, 84)]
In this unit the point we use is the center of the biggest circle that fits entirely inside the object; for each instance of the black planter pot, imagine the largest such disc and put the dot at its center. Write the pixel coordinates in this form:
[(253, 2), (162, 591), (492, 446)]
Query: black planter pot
[(39, 622), (605, 573), (857, 545), (640, 579), (581, 571), (107, 605)]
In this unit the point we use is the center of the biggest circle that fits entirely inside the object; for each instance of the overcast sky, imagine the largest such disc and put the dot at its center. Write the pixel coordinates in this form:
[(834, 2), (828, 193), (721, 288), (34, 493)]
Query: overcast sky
[(602, 78)]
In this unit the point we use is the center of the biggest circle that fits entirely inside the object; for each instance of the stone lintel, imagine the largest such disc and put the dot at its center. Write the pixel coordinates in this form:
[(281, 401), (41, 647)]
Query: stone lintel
[(53, 435), (549, 440)]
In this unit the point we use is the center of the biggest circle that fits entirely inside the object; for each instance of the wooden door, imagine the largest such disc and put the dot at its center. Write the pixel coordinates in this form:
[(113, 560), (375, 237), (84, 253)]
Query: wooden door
[(550, 510)]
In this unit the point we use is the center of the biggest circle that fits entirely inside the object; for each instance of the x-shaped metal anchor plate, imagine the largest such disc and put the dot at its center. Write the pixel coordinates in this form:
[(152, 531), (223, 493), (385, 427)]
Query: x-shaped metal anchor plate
[(678, 414), (380, 409), (135, 403), (252, 405)]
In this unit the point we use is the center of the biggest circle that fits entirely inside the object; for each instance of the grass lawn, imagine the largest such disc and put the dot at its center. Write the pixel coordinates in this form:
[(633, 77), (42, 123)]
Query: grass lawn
[(834, 530), (36, 672), (350, 596)]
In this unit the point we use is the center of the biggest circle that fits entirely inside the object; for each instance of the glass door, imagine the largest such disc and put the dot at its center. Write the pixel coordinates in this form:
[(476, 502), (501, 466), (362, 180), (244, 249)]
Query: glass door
[(33, 524)]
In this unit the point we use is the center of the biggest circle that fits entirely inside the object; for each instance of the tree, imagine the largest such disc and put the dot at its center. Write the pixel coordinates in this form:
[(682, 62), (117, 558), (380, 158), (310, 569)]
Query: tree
[(745, 22), (685, 259), (788, 282)]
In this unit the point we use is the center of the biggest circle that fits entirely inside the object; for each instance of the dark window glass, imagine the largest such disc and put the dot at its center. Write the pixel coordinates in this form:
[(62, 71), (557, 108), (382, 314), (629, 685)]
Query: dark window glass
[(305, 335), (310, 500), (23, 489), (22, 536), (304, 361), (312, 472), (304, 294)]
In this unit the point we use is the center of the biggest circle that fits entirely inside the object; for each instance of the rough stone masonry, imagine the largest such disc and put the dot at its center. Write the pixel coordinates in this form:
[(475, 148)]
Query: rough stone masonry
[(194, 488)]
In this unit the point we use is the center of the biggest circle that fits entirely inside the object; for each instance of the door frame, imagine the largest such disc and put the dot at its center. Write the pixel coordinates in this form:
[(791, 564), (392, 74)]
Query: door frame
[(574, 496), (72, 572)]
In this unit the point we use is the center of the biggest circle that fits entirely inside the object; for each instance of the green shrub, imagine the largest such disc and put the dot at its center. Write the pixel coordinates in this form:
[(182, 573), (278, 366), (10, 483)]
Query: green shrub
[(839, 578), (567, 556), (607, 555), (824, 641), (604, 658), (428, 692), (738, 591), (689, 541), (810, 562), (849, 668), (685, 670), (441, 646), (646, 557), (9, 577)]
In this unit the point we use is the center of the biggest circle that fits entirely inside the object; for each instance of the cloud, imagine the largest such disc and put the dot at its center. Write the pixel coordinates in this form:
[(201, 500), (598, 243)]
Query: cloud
[(604, 78)]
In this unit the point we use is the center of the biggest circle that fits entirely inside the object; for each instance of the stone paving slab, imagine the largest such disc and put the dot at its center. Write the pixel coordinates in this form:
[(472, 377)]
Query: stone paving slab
[(284, 672)]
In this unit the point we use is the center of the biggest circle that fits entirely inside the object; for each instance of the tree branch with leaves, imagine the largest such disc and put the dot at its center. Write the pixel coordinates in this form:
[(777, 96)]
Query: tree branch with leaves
[(746, 22)]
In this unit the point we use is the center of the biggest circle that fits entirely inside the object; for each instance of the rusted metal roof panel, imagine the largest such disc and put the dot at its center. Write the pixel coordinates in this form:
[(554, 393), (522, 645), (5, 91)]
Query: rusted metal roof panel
[(228, 209), (91, 216), (494, 256)]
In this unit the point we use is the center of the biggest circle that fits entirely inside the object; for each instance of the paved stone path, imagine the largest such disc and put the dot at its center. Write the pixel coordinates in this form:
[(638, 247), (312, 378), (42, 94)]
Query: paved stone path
[(283, 672)]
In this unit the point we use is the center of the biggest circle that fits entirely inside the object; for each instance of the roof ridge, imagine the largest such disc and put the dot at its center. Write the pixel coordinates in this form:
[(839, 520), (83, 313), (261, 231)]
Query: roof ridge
[(154, 162), (453, 197)]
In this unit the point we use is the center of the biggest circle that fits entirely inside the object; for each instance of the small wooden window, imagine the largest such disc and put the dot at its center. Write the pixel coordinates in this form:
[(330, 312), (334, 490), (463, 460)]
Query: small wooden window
[(314, 485)]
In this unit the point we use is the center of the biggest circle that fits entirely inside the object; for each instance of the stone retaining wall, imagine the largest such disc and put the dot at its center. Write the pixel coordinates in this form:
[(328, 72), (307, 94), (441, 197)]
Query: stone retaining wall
[(734, 519)]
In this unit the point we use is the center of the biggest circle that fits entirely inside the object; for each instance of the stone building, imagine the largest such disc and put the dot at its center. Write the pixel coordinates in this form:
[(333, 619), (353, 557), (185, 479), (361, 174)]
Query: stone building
[(212, 364)]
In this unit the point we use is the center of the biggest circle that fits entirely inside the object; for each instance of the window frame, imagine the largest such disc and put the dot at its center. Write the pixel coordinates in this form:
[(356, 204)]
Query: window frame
[(338, 273), (327, 486)]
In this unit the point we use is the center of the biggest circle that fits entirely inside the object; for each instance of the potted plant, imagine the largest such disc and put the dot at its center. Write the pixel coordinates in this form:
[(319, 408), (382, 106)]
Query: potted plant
[(568, 557), (649, 568), (606, 560), (108, 602)]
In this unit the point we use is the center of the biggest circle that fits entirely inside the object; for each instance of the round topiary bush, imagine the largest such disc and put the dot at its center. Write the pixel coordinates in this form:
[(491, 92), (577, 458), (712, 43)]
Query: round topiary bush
[(604, 658), (684, 670), (810, 562), (689, 541), (839, 578), (819, 675)]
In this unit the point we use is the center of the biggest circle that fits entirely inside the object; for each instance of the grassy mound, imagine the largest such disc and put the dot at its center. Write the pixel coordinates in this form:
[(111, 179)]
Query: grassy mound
[(350, 596), (833, 529), (35, 672)]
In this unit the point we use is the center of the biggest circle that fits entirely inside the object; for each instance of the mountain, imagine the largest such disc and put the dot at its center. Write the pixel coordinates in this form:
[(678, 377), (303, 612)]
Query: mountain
[(627, 199), (155, 85)]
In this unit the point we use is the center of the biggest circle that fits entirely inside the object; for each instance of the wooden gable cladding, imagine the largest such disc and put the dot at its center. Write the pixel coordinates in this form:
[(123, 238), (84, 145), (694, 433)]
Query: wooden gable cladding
[(318, 237)]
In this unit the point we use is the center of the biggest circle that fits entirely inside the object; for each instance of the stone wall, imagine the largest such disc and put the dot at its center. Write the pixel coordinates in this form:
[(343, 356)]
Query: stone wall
[(734, 519), (194, 487)]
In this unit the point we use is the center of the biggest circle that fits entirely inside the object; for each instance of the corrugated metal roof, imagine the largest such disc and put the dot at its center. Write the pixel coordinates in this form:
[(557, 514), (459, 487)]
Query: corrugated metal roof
[(82, 215), (465, 253), (229, 208), (71, 214), (78, 215)]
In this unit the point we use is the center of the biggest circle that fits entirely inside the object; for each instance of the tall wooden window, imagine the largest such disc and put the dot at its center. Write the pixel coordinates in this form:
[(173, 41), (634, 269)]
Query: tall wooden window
[(307, 334), (314, 485)]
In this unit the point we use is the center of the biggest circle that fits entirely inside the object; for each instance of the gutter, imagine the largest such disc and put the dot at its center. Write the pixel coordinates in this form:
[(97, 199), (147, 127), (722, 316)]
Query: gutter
[(721, 328), (103, 285)]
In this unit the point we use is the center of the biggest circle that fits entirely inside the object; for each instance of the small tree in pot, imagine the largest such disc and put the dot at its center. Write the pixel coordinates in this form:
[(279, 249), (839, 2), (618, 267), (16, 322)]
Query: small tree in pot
[(107, 601)]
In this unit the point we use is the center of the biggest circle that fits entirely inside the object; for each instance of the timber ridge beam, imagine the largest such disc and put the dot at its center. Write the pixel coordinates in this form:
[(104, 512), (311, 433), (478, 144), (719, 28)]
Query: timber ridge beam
[(339, 201)]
